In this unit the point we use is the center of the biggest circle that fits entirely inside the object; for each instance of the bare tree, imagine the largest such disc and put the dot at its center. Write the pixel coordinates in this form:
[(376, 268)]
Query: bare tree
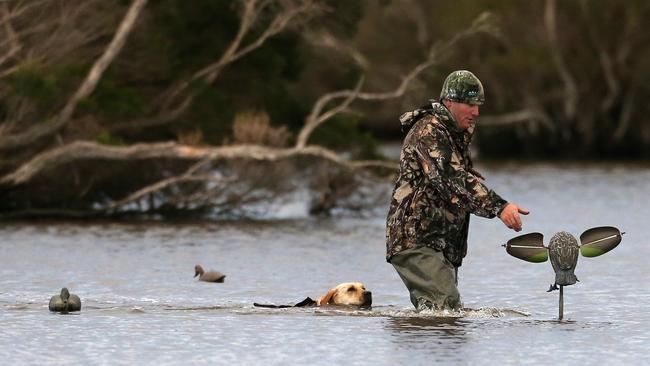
[(45, 31), (189, 181), (39, 131), (178, 97), (320, 115), (570, 97), (482, 24), (275, 15)]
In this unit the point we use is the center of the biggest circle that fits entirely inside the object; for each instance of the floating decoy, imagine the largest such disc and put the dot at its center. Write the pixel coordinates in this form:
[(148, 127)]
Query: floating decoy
[(209, 276), (563, 250), (65, 302)]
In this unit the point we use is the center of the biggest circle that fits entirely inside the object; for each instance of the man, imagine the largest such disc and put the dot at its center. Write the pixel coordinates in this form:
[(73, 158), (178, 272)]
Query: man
[(436, 190)]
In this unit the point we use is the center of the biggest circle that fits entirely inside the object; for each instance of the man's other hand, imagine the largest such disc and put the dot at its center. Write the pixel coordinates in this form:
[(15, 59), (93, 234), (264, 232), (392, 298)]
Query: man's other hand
[(510, 216)]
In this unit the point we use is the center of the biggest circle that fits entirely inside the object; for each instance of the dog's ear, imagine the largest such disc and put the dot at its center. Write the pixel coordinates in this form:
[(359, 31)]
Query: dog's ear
[(326, 299)]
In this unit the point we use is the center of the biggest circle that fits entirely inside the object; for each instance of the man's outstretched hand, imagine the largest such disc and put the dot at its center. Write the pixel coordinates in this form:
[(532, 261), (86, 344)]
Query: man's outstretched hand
[(510, 216)]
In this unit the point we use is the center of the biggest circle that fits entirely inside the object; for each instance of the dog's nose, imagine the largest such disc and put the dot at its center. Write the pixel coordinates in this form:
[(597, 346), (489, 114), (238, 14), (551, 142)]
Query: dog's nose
[(367, 297)]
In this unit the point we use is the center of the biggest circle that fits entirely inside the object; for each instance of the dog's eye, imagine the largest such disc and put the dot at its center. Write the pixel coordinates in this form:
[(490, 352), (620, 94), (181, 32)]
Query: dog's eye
[(350, 289)]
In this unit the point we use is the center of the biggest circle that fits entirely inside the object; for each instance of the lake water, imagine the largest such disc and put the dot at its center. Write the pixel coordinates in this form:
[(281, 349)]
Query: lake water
[(141, 304)]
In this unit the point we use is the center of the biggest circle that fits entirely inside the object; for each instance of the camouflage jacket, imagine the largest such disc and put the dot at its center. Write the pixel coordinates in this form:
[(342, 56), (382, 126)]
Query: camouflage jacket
[(437, 188)]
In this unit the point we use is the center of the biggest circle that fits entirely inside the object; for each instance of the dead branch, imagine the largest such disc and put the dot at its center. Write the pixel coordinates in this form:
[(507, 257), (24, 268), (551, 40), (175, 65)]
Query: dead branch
[(524, 115), (86, 88), (570, 88), (606, 62), (482, 24), (625, 117), (12, 37), (177, 99), (18, 10), (203, 186), (116, 45), (159, 186), (248, 15), (188, 176), (332, 44), (315, 119), (624, 43), (511, 118), (50, 29), (90, 150)]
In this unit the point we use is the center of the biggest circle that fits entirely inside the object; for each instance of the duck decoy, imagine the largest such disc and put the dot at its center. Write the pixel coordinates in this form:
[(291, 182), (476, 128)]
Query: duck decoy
[(563, 251), (65, 302), (209, 276)]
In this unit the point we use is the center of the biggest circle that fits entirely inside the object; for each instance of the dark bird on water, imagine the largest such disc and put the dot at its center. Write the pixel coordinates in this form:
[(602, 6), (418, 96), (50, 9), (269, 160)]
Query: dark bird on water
[(65, 302), (563, 251), (209, 276)]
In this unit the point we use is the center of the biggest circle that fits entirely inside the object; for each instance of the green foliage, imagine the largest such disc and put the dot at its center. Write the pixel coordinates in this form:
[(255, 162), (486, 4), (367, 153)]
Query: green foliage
[(35, 84), (40, 91), (285, 76), (343, 133), (195, 34), (113, 101), (212, 113), (107, 138), (29, 83)]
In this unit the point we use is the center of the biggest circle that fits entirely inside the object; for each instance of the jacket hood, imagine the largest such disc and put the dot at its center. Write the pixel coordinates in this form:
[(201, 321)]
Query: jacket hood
[(442, 114)]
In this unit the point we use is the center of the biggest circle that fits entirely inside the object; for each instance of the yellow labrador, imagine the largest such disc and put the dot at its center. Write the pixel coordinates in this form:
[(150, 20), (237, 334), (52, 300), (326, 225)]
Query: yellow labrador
[(349, 293)]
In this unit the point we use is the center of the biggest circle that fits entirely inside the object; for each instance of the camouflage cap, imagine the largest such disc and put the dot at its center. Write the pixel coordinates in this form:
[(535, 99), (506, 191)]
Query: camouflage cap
[(464, 87)]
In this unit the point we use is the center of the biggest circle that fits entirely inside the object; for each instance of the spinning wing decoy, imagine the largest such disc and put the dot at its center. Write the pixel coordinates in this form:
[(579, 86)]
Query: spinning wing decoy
[(563, 250)]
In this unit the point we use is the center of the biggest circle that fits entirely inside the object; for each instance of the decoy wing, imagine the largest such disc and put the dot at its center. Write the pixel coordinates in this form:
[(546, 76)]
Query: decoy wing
[(529, 247), (599, 240)]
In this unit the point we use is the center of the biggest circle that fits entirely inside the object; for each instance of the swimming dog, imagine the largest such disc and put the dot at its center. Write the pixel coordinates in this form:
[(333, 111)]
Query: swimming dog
[(348, 293)]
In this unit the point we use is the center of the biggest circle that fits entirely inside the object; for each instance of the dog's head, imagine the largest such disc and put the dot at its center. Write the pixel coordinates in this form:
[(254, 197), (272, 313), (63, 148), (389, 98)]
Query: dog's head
[(349, 293)]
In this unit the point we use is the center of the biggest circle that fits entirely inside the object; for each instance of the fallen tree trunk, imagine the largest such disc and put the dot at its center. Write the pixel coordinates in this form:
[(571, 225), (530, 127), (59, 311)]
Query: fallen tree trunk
[(87, 179)]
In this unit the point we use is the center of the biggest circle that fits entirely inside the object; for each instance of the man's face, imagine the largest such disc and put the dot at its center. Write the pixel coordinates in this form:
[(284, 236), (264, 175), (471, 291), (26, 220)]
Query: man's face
[(464, 114)]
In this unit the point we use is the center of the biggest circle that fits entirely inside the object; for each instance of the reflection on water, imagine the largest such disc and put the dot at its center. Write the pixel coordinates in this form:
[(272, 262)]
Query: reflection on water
[(141, 303), (443, 327), (448, 336)]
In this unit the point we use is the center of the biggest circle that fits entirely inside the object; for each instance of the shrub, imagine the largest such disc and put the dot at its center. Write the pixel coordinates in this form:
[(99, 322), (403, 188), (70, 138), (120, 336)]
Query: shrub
[(255, 128)]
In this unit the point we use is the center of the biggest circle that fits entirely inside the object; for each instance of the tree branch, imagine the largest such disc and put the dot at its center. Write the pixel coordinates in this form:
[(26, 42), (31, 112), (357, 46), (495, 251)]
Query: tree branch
[(511, 118), (172, 109), (75, 151), (626, 116), (159, 186), (87, 87), (315, 119), (481, 24), (606, 63), (12, 37), (570, 88)]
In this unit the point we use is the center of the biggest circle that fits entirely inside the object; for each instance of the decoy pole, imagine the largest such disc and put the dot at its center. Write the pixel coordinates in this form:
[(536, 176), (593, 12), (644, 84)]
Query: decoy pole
[(561, 301)]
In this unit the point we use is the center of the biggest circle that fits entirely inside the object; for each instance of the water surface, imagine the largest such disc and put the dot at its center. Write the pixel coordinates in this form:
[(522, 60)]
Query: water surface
[(141, 304)]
